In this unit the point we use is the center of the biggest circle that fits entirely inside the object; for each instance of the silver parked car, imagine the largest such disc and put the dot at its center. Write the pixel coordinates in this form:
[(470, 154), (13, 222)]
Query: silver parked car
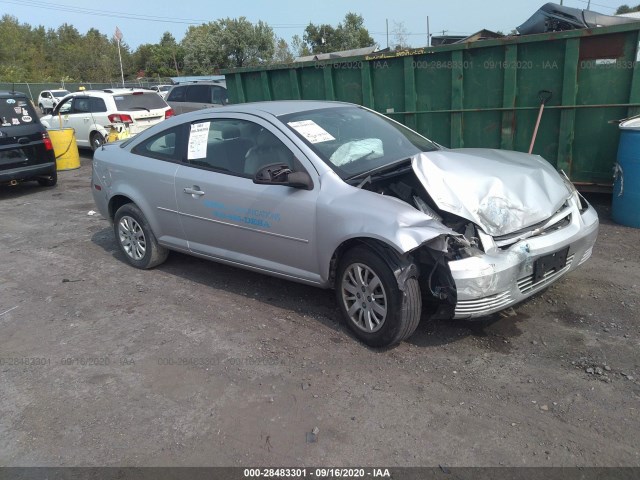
[(338, 196)]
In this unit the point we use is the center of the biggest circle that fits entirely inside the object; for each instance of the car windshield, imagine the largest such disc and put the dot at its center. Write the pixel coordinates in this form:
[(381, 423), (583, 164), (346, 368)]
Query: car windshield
[(60, 93), (354, 141), (138, 101)]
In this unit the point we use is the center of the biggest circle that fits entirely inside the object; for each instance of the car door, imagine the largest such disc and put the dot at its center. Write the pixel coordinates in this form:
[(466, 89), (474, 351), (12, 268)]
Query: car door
[(66, 113), (46, 101), (227, 216), (198, 97)]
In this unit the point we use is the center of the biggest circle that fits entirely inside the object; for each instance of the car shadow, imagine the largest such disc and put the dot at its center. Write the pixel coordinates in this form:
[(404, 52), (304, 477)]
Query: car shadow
[(21, 189), (313, 302), (492, 333), (602, 203)]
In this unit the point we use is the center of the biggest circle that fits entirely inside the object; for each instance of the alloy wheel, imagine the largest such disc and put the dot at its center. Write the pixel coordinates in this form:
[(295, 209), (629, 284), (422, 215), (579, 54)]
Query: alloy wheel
[(364, 297), (132, 238)]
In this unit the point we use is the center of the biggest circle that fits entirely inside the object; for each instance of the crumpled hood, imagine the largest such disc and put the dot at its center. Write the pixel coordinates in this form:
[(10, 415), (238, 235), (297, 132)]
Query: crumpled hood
[(501, 191)]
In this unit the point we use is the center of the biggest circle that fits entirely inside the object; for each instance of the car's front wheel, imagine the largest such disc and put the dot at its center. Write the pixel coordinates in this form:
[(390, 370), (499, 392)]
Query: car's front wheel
[(96, 140), (372, 304), (136, 239)]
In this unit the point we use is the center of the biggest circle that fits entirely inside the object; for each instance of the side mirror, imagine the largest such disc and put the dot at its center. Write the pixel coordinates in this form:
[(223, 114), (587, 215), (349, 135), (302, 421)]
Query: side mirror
[(281, 174)]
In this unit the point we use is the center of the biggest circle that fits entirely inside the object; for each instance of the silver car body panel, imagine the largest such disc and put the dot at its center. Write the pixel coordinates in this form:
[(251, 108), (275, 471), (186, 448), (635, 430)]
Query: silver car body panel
[(523, 212), (490, 282), (501, 191)]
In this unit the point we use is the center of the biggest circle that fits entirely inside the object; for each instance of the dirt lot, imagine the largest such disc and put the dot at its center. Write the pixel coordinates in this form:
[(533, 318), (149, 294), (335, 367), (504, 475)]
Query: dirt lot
[(199, 364)]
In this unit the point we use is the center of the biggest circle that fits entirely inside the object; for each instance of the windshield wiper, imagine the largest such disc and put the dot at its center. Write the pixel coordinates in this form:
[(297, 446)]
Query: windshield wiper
[(140, 108), (377, 172)]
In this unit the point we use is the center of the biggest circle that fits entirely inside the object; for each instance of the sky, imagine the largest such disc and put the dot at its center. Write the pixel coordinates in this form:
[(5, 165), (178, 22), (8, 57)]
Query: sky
[(144, 21)]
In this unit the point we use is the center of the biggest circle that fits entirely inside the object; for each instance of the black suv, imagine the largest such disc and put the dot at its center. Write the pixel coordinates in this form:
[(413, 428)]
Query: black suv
[(26, 151)]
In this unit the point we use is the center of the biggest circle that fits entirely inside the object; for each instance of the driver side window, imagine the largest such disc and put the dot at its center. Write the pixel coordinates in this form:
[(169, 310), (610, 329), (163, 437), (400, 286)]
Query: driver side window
[(236, 147), (65, 108)]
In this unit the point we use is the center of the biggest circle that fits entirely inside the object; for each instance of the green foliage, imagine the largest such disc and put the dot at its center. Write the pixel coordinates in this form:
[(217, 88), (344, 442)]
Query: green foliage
[(33, 54), (349, 34), (299, 47), (627, 9), (36, 54), (282, 52), (229, 42), (164, 59)]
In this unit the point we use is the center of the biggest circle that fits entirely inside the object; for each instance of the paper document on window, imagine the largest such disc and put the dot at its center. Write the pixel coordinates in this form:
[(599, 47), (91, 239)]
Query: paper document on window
[(198, 141), (311, 131)]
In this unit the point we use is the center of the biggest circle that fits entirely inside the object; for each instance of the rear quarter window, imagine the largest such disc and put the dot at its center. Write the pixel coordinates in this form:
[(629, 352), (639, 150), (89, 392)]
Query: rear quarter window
[(138, 101), (177, 94), (17, 111)]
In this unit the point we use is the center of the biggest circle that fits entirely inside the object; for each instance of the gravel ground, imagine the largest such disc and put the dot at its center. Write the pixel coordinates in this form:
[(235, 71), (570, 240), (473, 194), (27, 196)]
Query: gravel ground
[(199, 364)]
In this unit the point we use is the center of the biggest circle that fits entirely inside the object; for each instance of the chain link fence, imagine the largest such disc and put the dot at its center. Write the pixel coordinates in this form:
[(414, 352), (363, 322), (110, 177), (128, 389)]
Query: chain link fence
[(32, 90)]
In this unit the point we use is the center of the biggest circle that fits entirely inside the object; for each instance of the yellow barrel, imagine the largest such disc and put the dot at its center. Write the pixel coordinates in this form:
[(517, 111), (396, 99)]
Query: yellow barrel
[(65, 148)]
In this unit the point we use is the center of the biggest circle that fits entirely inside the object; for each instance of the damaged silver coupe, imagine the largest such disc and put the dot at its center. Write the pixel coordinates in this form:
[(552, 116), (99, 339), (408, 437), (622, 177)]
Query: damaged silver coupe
[(338, 196)]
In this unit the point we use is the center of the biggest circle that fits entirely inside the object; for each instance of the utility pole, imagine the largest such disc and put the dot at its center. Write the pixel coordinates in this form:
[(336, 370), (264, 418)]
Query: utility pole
[(589, 5), (428, 34), (387, 20)]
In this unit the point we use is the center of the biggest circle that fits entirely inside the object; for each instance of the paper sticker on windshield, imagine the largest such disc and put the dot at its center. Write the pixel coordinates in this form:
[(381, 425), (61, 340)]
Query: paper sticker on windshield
[(10, 100), (311, 131), (26, 118), (18, 110), (198, 140), (15, 121)]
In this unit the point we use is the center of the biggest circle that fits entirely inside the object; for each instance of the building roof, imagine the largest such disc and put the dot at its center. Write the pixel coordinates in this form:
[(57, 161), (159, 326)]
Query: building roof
[(342, 54)]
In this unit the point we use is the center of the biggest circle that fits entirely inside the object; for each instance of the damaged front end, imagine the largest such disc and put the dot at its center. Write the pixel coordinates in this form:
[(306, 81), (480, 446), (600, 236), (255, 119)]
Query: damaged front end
[(512, 233)]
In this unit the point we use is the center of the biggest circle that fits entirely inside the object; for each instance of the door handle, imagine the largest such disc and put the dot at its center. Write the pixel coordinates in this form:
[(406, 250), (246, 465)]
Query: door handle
[(195, 191)]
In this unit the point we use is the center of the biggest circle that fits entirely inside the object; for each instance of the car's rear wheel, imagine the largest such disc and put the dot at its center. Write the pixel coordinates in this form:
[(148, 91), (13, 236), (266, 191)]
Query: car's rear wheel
[(96, 140), (136, 239), (49, 181), (372, 304)]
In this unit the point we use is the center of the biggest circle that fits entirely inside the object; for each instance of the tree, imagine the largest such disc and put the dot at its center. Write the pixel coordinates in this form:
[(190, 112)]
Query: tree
[(247, 44), (225, 43), (349, 34), (282, 52), (627, 9), (400, 34), (164, 59), (299, 47), (203, 52)]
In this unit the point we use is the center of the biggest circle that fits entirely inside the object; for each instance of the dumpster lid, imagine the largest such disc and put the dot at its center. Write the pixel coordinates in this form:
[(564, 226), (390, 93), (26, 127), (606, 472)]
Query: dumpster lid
[(632, 123)]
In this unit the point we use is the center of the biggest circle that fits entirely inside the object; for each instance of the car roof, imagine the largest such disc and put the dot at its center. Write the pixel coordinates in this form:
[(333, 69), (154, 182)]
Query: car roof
[(7, 93), (282, 107), (57, 90), (222, 83), (111, 91)]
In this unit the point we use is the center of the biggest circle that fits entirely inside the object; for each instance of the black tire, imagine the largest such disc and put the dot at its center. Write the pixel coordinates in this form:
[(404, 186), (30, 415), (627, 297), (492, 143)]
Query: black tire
[(136, 239), (96, 140), (49, 181), (43, 110), (402, 308)]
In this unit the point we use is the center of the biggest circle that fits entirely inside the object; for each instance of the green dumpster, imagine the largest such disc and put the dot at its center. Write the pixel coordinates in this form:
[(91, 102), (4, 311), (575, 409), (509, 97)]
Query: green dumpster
[(486, 93)]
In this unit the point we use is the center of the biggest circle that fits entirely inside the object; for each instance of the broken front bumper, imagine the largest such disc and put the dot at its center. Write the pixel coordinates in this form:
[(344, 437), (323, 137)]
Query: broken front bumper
[(494, 281)]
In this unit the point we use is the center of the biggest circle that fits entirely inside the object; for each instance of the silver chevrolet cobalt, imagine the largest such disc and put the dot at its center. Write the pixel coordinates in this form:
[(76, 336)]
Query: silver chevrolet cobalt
[(338, 196)]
